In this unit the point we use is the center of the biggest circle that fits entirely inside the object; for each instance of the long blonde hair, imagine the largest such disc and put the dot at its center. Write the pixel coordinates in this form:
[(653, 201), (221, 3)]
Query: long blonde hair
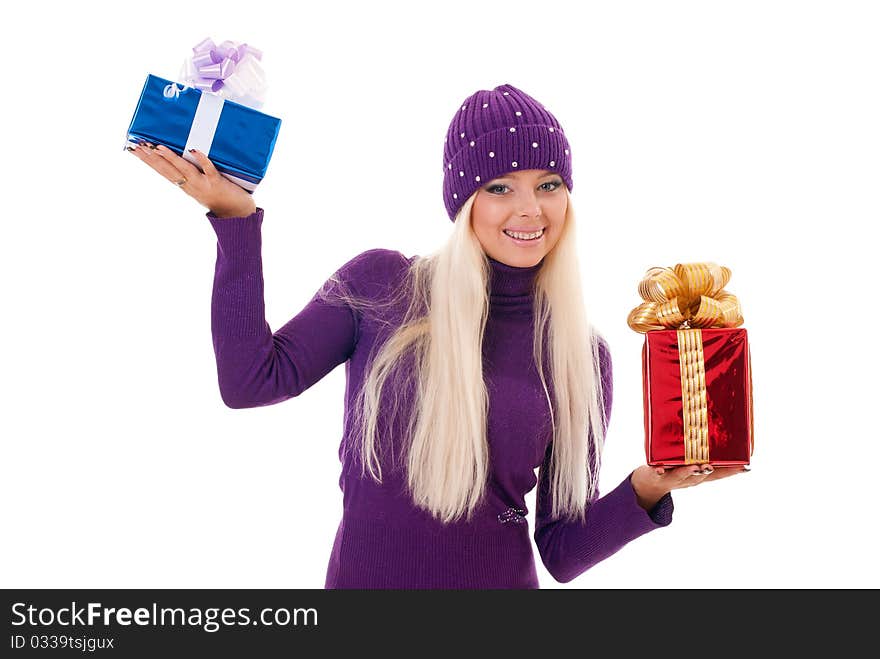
[(442, 330)]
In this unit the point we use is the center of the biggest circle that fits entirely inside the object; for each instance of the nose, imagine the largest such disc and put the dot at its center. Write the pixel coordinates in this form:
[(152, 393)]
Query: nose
[(529, 206)]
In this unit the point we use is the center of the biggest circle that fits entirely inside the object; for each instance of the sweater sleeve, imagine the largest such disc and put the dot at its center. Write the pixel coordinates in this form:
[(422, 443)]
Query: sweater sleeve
[(570, 548), (254, 366)]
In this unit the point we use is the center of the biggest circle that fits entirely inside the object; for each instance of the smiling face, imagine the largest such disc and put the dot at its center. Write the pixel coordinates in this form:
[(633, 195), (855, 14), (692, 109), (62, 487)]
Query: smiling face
[(524, 203)]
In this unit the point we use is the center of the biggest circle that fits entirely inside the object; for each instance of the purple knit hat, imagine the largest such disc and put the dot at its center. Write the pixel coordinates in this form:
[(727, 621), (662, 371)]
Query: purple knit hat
[(495, 132)]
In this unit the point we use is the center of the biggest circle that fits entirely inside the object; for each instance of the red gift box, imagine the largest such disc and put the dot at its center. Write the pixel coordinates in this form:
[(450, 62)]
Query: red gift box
[(696, 368), (698, 397)]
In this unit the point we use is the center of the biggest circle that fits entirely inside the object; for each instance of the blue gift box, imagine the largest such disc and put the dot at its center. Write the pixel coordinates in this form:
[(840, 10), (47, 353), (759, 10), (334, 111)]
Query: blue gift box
[(238, 139)]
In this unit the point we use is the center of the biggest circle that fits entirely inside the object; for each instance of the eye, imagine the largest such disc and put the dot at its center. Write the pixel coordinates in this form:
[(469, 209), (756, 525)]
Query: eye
[(492, 188)]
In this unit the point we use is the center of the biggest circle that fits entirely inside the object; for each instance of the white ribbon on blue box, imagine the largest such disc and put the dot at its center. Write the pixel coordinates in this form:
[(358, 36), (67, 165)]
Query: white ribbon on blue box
[(238, 139)]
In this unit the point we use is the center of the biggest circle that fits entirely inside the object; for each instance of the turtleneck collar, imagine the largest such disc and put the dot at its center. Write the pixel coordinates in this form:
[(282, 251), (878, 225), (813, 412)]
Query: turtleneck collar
[(510, 286)]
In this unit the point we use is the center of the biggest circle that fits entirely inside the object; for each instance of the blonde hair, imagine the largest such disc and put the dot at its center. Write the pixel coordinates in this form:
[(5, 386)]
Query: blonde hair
[(442, 332)]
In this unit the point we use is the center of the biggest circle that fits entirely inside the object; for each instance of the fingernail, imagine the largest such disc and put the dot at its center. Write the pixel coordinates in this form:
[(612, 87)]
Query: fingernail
[(746, 468), (193, 151), (129, 148)]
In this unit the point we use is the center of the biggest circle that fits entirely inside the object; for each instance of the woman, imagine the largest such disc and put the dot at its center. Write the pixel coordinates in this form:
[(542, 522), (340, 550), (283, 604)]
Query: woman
[(466, 369)]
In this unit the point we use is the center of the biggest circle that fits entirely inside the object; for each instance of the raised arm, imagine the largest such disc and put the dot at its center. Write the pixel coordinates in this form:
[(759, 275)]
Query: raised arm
[(254, 366)]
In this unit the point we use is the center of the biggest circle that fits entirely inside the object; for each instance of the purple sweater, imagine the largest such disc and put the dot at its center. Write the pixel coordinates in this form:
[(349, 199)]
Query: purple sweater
[(383, 540)]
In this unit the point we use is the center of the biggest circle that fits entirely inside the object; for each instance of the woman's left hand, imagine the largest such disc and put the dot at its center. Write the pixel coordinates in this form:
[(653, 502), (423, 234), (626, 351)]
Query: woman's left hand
[(651, 483)]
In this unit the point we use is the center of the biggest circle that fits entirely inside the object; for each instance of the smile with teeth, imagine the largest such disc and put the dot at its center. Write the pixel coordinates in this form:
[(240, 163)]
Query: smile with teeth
[(524, 236)]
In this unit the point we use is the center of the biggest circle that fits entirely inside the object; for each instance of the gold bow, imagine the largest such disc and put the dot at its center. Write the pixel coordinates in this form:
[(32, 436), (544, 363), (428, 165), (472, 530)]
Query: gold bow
[(690, 295)]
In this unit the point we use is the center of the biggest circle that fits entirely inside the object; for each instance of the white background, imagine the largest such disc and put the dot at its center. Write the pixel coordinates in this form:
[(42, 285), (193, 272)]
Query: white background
[(745, 133)]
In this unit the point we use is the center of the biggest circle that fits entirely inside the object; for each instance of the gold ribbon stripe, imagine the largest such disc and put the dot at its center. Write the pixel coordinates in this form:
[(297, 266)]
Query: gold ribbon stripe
[(693, 396)]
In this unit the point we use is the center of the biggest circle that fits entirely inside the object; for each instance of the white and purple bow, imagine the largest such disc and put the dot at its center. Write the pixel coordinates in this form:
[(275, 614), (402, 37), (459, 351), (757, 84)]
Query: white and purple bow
[(230, 70)]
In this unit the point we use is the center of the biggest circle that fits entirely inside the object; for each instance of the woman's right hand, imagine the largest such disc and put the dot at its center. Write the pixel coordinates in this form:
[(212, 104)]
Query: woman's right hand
[(211, 189)]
